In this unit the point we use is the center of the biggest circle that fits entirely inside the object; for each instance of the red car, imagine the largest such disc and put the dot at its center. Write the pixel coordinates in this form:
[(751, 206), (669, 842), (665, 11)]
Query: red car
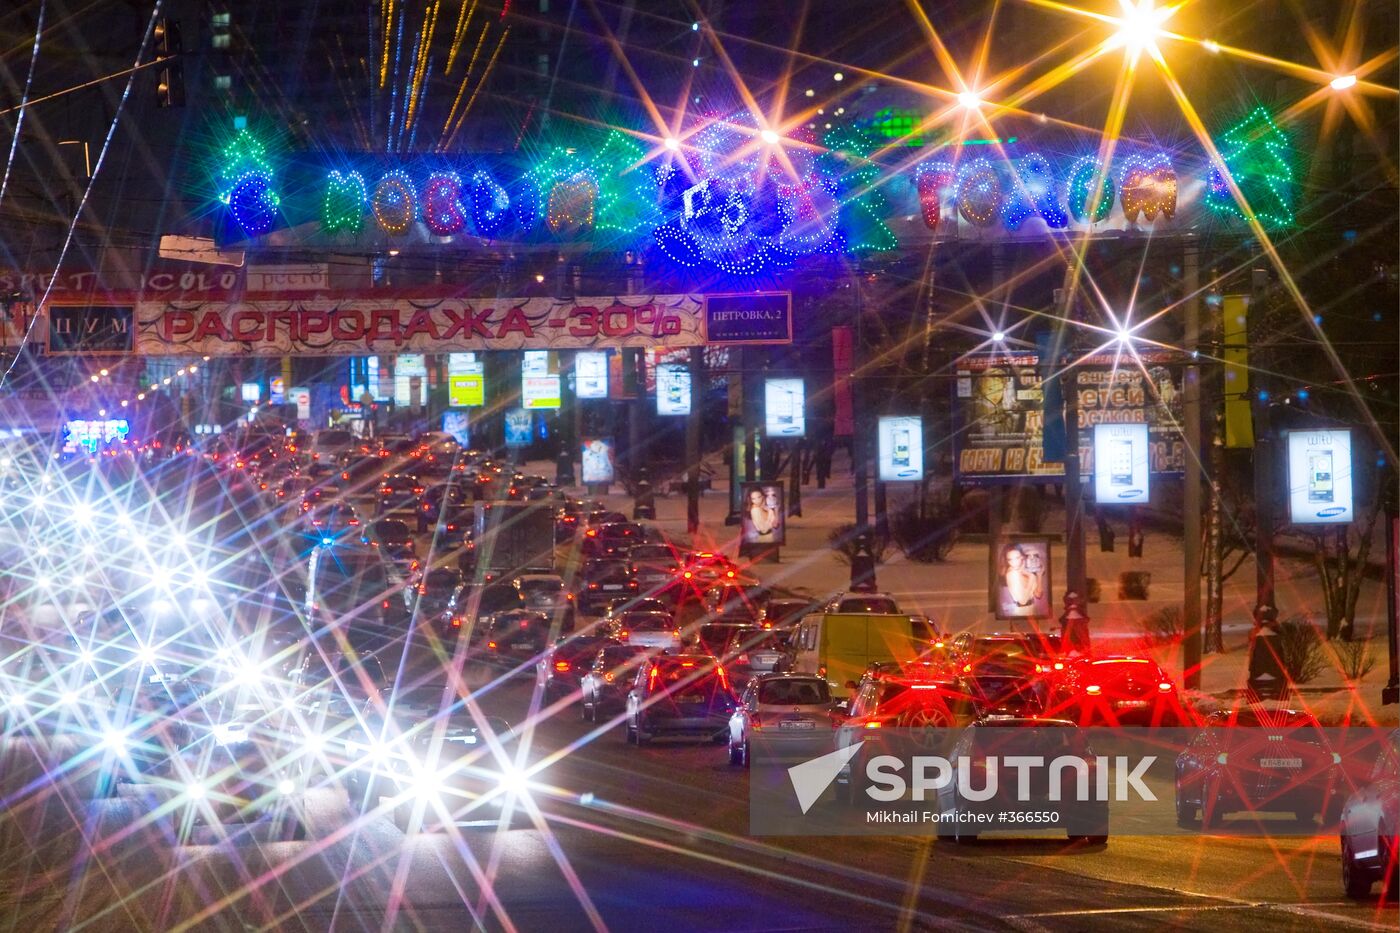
[(1114, 691), (1258, 761)]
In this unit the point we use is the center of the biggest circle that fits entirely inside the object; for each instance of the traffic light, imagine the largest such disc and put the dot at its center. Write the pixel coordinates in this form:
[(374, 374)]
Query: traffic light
[(170, 77)]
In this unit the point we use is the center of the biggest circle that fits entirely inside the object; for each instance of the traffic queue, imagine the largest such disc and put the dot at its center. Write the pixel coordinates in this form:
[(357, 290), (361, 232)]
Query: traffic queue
[(332, 615)]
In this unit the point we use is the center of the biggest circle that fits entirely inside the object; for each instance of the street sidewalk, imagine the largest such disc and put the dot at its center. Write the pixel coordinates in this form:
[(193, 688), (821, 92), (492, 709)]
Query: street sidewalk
[(954, 593)]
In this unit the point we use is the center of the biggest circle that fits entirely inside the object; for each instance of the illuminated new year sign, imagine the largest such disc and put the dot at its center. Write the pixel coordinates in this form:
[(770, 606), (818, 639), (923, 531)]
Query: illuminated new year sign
[(734, 200)]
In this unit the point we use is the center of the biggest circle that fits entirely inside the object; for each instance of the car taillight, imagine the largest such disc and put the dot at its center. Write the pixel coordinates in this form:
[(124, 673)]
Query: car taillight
[(592, 533), (491, 645), (651, 677), (608, 677), (1093, 690), (592, 586), (417, 490), (729, 573), (742, 659), (755, 723), (384, 605), (456, 623), (624, 634), (524, 623), (561, 666), (687, 575), (872, 724), (1164, 687)]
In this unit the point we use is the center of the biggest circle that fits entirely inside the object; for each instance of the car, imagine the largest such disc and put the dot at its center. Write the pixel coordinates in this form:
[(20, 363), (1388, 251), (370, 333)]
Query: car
[(435, 596), (516, 636), (546, 592), (1003, 675), (361, 475), (654, 566), (1258, 760), (782, 614), (562, 666), (735, 596), (686, 695), (438, 763), (708, 565), (439, 497), (355, 590), (604, 580), (603, 685), (795, 714), (650, 629), (1112, 691), (744, 649), (392, 537), (291, 489), (333, 522), (602, 516), (863, 602), (398, 491), (611, 539), (1001, 737), (616, 607), (1370, 827), (234, 774)]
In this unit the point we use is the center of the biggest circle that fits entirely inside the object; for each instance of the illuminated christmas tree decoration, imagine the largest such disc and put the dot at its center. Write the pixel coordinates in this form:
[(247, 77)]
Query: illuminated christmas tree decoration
[(394, 203), (1033, 194), (571, 205), (345, 201), (491, 207), (1084, 175), (979, 193), (863, 203), (931, 179), (1258, 156), (1147, 186), (443, 213)]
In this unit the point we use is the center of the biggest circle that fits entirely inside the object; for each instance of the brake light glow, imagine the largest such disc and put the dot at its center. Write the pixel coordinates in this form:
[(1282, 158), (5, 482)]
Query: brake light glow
[(652, 675), (872, 724), (561, 666), (456, 623), (491, 645), (1093, 690), (608, 677), (687, 664), (1164, 687), (687, 574), (729, 573)]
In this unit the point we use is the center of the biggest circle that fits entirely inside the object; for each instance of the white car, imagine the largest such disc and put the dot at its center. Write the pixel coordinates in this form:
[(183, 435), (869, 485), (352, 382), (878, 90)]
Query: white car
[(793, 711)]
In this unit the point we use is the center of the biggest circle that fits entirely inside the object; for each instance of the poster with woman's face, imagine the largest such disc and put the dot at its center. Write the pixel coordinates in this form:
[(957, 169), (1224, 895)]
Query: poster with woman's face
[(1021, 578), (761, 513)]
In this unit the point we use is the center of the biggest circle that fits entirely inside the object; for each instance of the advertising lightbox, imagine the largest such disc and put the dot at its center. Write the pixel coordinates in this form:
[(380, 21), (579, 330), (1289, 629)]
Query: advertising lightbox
[(1319, 477), (901, 448), (537, 392), (466, 380), (1122, 464), (784, 408), (520, 428), (596, 459), (672, 390), (591, 374)]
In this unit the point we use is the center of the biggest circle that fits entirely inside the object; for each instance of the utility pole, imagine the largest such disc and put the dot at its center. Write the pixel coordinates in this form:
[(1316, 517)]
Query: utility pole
[(1264, 453), (1191, 488), (692, 439)]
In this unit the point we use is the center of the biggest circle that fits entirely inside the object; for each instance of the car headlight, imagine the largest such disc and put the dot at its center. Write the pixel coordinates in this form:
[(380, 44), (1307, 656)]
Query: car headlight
[(513, 781), (114, 740), (427, 785), (195, 791), (286, 786)]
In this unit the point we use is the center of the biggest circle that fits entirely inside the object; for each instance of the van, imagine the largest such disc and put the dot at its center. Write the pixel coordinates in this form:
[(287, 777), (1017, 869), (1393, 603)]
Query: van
[(841, 645)]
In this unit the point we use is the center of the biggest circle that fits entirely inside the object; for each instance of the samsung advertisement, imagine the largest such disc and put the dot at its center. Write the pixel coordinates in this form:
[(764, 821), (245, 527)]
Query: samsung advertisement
[(672, 390), (1122, 461), (784, 402), (901, 448), (591, 374), (1319, 477)]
